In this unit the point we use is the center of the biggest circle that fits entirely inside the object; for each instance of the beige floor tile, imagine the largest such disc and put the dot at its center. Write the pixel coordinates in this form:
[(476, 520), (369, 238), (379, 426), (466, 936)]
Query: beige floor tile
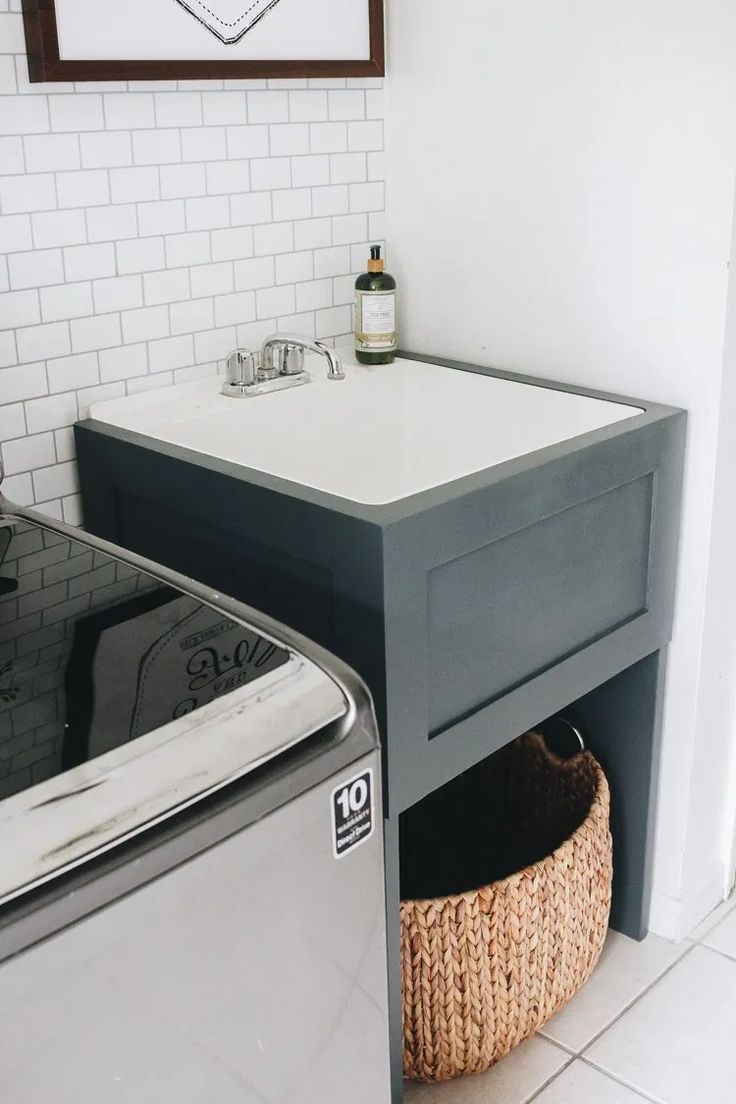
[(676, 1044), (625, 970)]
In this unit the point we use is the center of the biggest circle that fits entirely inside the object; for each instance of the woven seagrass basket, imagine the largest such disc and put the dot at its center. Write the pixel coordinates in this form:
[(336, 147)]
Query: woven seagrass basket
[(483, 970)]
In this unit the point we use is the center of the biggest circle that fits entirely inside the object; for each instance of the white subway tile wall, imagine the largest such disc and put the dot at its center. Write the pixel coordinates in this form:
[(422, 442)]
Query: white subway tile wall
[(145, 229)]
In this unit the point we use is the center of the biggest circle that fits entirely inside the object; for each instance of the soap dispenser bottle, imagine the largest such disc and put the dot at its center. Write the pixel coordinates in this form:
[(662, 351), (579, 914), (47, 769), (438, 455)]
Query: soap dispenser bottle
[(375, 313)]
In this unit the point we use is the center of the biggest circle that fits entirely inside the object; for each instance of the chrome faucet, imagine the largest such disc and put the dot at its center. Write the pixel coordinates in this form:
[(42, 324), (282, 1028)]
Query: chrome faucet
[(280, 365)]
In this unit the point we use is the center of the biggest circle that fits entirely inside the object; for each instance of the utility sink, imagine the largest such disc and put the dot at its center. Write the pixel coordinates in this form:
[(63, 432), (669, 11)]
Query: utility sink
[(453, 532), (485, 549), (382, 434)]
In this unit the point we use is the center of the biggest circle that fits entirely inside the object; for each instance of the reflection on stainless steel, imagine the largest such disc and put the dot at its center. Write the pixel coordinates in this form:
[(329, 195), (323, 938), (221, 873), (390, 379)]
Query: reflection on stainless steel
[(8, 584), (116, 670), (96, 654), (353, 689)]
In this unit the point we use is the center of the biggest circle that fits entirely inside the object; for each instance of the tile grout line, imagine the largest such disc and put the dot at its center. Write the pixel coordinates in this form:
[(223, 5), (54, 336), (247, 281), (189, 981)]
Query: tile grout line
[(721, 954), (581, 1055), (680, 958), (598, 1069), (625, 1084), (731, 902), (550, 1080), (558, 1044)]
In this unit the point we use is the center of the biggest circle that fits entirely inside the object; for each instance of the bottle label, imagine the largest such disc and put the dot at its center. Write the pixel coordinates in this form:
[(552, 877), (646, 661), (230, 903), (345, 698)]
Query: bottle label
[(375, 320)]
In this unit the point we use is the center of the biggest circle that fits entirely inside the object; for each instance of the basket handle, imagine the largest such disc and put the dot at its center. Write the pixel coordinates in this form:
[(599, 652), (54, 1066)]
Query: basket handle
[(564, 722), (575, 731)]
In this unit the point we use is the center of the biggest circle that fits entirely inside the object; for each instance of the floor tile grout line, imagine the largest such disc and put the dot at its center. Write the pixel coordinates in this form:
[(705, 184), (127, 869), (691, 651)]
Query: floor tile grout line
[(571, 1050), (557, 1043), (687, 946), (707, 934), (550, 1080), (717, 951), (731, 902), (680, 958), (620, 1081)]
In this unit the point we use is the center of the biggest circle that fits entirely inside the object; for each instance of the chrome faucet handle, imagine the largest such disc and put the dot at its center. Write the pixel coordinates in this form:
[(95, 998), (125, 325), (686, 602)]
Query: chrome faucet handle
[(241, 366), (241, 371), (283, 348), (291, 359)]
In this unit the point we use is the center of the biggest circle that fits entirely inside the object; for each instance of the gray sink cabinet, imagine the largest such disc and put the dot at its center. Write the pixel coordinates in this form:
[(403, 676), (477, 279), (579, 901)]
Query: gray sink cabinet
[(473, 610)]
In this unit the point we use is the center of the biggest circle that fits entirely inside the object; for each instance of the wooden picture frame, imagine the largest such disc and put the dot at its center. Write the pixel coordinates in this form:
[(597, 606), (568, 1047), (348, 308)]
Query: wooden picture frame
[(46, 64)]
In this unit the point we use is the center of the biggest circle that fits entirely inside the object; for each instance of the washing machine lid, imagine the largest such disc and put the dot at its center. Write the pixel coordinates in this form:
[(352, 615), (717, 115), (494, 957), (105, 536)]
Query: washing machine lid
[(124, 700)]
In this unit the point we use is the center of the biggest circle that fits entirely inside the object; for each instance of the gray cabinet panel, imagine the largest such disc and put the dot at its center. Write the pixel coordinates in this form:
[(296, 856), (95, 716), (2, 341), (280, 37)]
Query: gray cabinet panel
[(510, 610), (296, 590)]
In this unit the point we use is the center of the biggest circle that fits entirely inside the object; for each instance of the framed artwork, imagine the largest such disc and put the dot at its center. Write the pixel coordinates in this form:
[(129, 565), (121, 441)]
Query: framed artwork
[(77, 40)]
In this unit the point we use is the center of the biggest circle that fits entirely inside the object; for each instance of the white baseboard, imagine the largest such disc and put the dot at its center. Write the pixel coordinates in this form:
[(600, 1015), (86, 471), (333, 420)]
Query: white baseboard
[(674, 918)]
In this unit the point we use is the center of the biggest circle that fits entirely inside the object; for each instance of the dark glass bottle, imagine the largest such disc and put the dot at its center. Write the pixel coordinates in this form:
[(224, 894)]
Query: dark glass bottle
[(375, 313)]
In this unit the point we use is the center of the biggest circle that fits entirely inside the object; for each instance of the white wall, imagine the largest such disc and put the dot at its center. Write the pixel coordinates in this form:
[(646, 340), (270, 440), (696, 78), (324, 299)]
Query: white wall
[(561, 189), (146, 228)]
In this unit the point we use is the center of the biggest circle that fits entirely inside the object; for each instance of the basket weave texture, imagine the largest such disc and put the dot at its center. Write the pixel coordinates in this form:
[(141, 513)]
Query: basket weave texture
[(485, 969)]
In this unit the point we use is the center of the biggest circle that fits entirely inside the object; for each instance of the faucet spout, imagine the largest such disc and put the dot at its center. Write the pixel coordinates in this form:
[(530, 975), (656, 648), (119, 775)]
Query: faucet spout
[(276, 341)]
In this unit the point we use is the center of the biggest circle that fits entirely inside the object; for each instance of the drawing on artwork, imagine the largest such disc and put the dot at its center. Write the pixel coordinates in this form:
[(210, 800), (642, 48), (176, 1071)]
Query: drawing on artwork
[(128, 40), (228, 20)]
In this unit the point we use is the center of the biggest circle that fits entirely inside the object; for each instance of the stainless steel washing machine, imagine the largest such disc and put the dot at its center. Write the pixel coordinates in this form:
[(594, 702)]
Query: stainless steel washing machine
[(191, 872)]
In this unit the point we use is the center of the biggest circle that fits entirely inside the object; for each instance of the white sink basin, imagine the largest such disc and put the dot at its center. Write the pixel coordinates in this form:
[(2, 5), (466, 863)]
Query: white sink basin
[(380, 435)]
